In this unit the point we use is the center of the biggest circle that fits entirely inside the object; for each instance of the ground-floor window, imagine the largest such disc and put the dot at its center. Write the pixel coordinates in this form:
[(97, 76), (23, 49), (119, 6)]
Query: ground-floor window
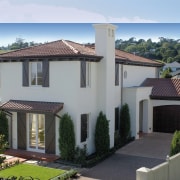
[(84, 127), (116, 118), (36, 132)]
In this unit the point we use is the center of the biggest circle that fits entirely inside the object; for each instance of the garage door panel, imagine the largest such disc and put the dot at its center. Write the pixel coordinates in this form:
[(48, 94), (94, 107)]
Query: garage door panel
[(166, 118)]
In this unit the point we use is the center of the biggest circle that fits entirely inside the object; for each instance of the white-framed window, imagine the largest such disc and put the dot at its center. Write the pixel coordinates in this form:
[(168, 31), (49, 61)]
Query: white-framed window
[(36, 73), (88, 74), (84, 127)]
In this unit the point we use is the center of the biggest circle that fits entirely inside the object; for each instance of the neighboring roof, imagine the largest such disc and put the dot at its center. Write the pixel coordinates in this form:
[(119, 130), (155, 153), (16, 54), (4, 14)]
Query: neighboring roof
[(172, 65), (128, 58), (167, 89), (57, 49), (32, 106), (68, 49), (175, 73)]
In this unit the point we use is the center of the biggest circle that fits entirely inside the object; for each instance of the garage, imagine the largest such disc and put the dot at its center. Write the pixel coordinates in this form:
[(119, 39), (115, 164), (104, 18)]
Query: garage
[(166, 118)]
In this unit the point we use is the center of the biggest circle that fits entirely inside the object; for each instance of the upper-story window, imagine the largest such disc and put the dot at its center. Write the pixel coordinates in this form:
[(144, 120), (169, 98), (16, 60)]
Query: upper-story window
[(36, 73), (116, 74), (85, 74)]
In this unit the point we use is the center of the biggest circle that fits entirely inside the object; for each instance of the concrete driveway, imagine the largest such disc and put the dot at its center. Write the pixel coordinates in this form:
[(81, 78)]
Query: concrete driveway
[(148, 151)]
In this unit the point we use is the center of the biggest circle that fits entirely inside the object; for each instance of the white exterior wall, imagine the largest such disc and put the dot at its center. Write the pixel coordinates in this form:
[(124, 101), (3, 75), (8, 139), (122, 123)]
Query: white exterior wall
[(133, 96), (137, 74), (64, 87)]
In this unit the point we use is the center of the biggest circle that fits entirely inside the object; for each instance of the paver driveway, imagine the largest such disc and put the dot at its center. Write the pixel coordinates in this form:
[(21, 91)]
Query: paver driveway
[(148, 151)]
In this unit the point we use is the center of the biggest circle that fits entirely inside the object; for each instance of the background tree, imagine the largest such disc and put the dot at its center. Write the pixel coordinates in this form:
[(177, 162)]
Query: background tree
[(4, 129), (66, 138), (175, 144), (125, 123), (102, 141)]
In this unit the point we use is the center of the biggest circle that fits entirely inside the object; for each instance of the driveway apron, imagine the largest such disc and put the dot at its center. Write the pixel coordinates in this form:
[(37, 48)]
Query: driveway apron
[(148, 151)]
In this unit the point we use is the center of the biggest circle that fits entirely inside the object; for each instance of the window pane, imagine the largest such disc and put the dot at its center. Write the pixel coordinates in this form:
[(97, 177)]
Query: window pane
[(84, 127), (39, 73), (41, 131), (33, 73)]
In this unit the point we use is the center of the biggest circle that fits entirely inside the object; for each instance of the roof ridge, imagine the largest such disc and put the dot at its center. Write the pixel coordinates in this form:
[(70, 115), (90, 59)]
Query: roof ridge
[(71, 47)]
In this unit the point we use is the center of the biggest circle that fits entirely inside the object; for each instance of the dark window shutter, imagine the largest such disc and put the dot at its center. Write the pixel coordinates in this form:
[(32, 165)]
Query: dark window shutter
[(45, 67), (21, 127), (84, 121), (83, 73), (25, 72), (117, 74), (49, 134), (117, 118)]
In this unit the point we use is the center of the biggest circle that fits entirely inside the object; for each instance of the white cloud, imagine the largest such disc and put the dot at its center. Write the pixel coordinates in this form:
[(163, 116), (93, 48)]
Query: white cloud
[(55, 14)]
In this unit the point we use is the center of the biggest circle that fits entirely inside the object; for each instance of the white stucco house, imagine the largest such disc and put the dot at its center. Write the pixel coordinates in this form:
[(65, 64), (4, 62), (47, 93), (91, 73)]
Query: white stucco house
[(38, 84)]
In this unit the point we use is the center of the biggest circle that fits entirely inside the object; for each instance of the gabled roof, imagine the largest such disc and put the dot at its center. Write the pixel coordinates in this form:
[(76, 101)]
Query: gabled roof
[(68, 49), (32, 106), (167, 89), (54, 49), (172, 65)]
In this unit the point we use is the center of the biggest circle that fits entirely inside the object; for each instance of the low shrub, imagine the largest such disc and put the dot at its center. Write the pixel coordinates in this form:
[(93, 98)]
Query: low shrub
[(175, 144)]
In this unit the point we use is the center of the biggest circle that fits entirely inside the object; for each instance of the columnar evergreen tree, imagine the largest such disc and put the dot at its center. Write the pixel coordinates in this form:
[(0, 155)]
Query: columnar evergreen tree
[(102, 140), (125, 122), (4, 125), (175, 144), (66, 138)]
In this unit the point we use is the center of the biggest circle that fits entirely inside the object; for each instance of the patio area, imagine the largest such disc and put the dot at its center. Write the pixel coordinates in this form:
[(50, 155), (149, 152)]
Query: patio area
[(28, 155)]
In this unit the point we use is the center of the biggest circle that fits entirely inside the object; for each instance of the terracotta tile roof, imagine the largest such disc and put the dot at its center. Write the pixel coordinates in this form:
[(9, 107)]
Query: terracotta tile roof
[(65, 48), (163, 88), (56, 48), (128, 58), (32, 106)]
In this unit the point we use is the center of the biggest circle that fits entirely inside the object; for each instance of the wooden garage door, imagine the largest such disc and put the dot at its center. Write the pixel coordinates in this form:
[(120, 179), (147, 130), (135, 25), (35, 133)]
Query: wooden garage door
[(166, 118)]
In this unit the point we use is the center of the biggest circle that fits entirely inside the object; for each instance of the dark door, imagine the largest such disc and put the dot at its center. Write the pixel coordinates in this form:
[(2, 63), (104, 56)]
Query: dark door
[(166, 118)]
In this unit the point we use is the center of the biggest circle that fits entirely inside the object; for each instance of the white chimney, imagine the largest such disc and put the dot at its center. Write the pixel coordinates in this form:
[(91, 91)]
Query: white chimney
[(105, 46)]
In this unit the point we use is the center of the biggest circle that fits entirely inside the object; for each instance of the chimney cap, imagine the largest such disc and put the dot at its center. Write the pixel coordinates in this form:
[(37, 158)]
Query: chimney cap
[(104, 26)]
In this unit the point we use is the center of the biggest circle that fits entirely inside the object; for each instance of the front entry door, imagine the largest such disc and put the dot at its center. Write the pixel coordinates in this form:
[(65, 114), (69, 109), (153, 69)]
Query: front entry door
[(36, 132)]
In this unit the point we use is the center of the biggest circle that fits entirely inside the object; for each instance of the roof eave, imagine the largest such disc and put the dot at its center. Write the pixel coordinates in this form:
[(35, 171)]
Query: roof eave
[(130, 62), (171, 98)]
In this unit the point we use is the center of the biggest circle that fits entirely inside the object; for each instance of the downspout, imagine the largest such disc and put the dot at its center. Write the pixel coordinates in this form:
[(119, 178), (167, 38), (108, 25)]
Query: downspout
[(121, 84)]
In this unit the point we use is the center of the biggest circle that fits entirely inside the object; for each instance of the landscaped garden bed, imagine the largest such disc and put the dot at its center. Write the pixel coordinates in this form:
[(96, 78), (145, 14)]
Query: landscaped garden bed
[(36, 172)]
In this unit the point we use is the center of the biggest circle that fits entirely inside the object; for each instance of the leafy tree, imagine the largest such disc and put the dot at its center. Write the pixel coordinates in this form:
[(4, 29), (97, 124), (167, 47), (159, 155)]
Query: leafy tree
[(66, 138), (125, 126), (102, 140), (4, 130), (175, 144), (166, 73)]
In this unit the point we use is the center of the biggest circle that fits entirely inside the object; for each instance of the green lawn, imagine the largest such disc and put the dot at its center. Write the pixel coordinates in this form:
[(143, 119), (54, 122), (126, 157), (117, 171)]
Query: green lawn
[(34, 171)]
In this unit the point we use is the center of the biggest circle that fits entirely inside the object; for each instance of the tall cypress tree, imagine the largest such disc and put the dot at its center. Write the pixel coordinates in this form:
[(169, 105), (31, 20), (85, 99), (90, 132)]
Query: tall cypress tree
[(66, 138), (102, 140)]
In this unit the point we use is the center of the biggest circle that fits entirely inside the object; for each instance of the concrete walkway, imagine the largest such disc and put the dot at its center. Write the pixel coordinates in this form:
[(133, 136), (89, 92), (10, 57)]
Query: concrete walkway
[(148, 151)]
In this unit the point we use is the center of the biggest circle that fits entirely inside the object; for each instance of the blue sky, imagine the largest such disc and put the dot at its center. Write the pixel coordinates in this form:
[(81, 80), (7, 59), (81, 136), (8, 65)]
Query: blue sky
[(89, 11), (83, 32)]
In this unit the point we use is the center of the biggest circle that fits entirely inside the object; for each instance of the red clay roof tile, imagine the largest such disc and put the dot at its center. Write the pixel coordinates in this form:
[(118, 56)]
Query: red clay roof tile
[(69, 48), (163, 88), (32, 106)]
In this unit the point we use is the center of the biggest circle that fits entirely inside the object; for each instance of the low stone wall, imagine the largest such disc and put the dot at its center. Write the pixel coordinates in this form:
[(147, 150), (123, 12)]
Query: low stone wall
[(166, 171)]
